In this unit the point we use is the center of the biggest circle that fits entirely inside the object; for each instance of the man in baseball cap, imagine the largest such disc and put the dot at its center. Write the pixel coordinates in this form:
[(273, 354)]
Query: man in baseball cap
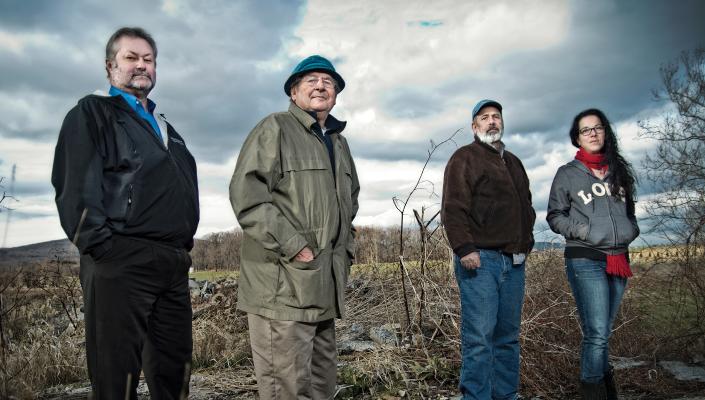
[(489, 219), (294, 192)]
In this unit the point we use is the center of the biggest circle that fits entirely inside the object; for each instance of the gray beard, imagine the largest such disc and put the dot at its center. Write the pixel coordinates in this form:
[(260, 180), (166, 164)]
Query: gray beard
[(490, 138), (142, 92)]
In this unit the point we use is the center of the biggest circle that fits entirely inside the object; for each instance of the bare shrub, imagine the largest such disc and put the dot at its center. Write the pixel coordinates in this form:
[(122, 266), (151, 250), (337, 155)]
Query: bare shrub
[(429, 363), (376, 244), (550, 327), (670, 302), (40, 346), (218, 251), (220, 338), (676, 168), (425, 235)]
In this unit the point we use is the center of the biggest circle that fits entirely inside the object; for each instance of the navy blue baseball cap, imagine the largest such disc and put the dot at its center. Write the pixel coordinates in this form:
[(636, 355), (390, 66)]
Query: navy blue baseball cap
[(484, 103), (313, 63)]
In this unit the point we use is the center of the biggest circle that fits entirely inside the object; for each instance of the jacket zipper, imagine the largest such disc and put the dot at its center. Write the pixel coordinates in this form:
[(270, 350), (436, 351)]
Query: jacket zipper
[(609, 211), (516, 194), (614, 225), (128, 214)]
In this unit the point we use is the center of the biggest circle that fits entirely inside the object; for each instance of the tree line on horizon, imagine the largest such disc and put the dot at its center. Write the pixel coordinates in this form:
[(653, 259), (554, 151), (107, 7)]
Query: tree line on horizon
[(220, 251)]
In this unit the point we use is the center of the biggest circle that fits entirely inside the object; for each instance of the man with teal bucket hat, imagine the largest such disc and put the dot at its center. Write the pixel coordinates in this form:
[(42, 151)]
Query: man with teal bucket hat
[(294, 192)]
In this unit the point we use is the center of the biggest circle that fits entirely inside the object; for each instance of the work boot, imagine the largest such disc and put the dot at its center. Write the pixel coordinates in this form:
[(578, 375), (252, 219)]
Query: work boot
[(610, 385), (593, 391)]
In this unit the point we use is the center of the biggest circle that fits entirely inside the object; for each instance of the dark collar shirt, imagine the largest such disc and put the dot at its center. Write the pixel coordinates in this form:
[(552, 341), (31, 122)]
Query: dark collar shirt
[(332, 126)]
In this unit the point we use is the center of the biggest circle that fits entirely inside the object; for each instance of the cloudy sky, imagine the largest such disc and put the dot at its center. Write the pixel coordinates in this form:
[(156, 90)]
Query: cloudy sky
[(414, 70)]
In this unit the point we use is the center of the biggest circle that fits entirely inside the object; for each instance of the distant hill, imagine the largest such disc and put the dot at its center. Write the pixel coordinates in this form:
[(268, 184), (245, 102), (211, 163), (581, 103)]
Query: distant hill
[(539, 246), (38, 253), (41, 253)]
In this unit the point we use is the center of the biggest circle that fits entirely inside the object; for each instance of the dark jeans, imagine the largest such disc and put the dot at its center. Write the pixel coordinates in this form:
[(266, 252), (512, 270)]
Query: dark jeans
[(491, 298), (138, 316), (597, 297)]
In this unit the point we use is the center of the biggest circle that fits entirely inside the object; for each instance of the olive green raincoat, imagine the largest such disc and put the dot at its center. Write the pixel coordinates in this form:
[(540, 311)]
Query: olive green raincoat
[(286, 196)]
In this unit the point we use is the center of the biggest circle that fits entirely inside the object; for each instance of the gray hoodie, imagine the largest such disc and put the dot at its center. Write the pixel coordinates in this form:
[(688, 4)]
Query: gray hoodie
[(582, 209)]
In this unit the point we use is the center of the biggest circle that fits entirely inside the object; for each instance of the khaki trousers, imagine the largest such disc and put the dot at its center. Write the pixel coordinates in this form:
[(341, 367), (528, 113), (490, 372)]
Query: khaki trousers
[(293, 360)]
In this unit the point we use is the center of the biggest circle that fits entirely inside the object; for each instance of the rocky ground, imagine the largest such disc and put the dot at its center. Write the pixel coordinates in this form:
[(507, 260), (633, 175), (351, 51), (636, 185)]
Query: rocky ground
[(374, 358), (357, 341)]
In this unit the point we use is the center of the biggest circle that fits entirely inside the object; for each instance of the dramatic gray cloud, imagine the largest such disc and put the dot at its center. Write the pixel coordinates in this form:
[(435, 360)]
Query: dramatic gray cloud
[(413, 74)]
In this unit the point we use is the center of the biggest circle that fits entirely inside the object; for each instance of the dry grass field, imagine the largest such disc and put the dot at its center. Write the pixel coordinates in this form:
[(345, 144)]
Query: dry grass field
[(42, 333)]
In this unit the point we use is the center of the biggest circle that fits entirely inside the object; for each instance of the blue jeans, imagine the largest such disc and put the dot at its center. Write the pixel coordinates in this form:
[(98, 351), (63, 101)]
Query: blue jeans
[(597, 297), (491, 298)]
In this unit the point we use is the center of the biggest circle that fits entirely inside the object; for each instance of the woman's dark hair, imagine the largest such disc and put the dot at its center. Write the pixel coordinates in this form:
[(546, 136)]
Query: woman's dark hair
[(621, 173)]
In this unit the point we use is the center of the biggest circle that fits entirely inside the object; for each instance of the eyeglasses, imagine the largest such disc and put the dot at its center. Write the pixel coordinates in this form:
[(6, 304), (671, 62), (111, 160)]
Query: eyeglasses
[(312, 81), (599, 130)]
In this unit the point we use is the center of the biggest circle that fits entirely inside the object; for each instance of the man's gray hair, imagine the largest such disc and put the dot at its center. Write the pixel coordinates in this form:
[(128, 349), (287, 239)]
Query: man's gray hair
[(111, 48)]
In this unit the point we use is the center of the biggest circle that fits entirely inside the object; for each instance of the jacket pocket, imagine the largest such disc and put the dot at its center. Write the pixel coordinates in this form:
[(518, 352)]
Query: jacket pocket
[(482, 213), (481, 204), (581, 230), (305, 164), (306, 192), (345, 189), (626, 232), (306, 285), (600, 232), (312, 240)]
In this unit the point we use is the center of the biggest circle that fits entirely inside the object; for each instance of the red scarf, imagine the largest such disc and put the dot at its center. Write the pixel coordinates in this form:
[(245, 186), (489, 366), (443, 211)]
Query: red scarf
[(616, 264), (592, 161)]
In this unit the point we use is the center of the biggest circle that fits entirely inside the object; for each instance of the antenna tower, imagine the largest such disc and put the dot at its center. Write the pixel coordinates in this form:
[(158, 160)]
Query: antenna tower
[(9, 210)]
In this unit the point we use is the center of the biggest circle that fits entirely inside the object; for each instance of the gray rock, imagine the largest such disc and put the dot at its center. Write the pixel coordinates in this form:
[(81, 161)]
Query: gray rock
[(351, 346), (699, 359), (690, 398), (386, 335), (355, 332), (207, 288), (620, 363), (199, 388), (65, 393), (193, 285), (683, 372)]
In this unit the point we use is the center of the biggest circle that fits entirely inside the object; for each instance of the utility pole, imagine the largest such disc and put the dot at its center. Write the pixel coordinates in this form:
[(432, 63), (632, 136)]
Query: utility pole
[(9, 210)]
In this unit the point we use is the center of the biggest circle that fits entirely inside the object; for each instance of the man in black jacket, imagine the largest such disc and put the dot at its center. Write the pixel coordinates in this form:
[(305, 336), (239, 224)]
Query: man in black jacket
[(127, 197)]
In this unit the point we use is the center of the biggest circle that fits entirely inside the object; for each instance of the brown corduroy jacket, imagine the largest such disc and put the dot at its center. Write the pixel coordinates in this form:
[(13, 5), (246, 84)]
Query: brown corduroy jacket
[(487, 201)]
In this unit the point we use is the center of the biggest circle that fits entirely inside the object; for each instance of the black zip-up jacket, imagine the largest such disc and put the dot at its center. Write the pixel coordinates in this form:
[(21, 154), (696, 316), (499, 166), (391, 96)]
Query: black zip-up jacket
[(113, 176)]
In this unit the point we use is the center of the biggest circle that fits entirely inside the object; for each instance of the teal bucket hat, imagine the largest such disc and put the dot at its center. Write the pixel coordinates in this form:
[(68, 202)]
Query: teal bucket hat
[(313, 63)]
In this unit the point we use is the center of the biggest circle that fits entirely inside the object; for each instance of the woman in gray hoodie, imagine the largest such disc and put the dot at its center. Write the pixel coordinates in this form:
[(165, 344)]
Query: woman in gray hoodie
[(592, 205)]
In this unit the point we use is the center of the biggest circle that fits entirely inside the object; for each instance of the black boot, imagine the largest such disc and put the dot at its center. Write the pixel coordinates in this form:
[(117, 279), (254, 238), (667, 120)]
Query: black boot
[(610, 385), (593, 391)]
